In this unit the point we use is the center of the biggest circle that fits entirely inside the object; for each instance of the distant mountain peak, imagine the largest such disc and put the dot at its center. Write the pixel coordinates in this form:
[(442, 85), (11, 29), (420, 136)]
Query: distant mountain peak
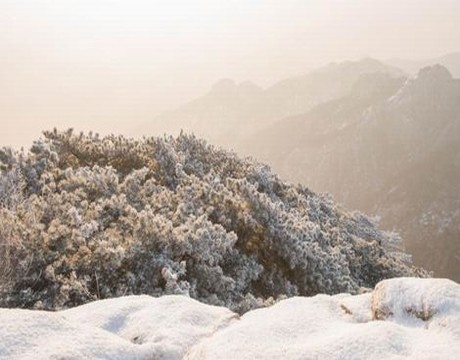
[(437, 73), (363, 66), (224, 85), (370, 61), (435, 80), (451, 61)]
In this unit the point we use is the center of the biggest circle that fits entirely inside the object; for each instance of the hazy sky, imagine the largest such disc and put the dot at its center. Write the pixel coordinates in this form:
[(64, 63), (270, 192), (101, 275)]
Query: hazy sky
[(111, 64)]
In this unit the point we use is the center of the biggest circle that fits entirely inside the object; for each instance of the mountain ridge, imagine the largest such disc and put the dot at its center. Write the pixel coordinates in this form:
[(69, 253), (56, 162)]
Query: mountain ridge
[(413, 131), (231, 111), (451, 61)]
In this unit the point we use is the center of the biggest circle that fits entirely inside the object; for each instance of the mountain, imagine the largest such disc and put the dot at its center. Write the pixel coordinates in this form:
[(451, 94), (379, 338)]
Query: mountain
[(86, 218), (231, 111), (218, 115), (450, 61), (391, 147)]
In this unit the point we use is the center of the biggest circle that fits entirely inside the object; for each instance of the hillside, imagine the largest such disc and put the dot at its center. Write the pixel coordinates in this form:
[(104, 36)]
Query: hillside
[(390, 148), (86, 218), (230, 112)]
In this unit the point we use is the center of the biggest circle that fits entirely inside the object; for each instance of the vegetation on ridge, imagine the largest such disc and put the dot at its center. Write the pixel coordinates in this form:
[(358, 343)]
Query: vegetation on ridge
[(84, 217)]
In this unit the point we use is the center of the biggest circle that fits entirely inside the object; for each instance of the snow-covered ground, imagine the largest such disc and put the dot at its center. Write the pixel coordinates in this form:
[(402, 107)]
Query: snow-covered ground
[(401, 319)]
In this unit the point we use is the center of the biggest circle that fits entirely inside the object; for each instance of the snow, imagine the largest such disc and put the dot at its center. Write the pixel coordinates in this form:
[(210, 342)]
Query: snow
[(402, 318), (132, 327), (404, 299), (343, 326)]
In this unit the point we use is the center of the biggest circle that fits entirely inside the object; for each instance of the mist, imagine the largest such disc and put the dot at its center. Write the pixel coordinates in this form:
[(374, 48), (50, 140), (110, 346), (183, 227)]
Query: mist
[(178, 176), (110, 66)]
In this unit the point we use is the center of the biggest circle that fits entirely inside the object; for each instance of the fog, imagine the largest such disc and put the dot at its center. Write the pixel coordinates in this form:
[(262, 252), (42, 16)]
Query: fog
[(109, 65)]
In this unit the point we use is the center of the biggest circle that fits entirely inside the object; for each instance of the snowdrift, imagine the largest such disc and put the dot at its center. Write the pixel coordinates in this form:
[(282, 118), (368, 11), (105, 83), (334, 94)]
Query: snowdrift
[(402, 318)]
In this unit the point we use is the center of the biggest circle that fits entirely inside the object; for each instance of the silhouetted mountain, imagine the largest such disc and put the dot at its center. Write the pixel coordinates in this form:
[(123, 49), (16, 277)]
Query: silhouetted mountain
[(333, 81), (450, 61), (231, 111), (391, 148)]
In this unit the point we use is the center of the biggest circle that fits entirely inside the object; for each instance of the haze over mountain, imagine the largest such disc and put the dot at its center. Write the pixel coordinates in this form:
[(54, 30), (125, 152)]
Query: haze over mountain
[(109, 66), (230, 112), (451, 61), (255, 171), (374, 137), (390, 148)]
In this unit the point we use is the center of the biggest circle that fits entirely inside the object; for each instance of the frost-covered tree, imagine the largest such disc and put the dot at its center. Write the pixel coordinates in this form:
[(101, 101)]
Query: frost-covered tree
[(98, 217)]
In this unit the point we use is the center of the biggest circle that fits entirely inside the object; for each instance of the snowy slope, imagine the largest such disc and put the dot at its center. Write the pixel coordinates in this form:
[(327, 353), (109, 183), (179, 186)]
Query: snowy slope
[(401, 319)]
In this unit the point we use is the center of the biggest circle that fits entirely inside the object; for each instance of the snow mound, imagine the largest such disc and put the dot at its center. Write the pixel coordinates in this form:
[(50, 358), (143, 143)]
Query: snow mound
[(132, 327), (402, 318), (29, 334), (421, 298), (345, 327)]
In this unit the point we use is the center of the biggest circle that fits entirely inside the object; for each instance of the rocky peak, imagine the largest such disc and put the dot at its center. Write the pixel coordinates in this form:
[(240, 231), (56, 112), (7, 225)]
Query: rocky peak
[(434, 75), (433, 86)]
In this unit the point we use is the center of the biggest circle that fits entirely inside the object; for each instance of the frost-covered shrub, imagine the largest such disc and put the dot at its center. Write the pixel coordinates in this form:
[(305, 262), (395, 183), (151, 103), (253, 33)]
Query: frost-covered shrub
[(11, 197), (104, 217)]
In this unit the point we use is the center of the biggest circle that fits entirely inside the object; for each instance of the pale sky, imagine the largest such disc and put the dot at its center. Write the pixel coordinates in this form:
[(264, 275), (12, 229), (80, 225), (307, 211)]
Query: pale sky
[(108, 65)]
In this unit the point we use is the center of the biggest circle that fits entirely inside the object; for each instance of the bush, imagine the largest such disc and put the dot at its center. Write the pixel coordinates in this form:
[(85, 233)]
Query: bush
[(105, 217)]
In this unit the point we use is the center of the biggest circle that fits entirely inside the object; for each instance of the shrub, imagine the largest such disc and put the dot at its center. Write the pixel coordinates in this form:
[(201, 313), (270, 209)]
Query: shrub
[(104, 217)]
